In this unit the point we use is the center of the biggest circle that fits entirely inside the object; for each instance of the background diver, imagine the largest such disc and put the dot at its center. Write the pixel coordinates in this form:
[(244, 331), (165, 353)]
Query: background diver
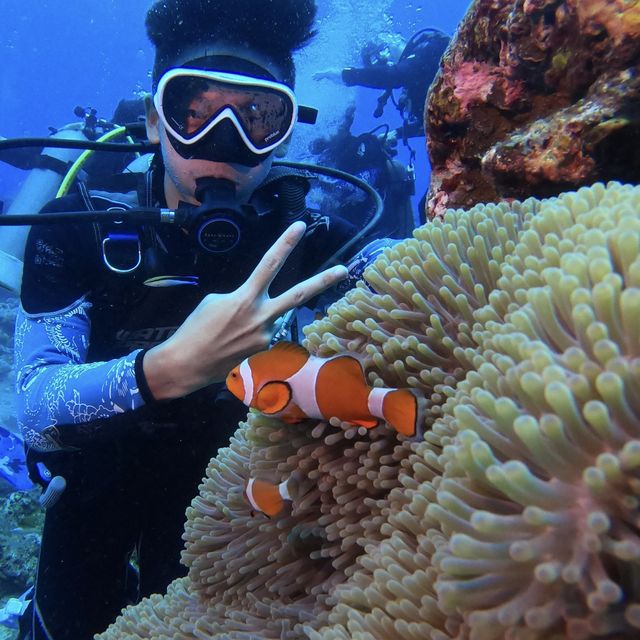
[(371, 157), (412, 73)]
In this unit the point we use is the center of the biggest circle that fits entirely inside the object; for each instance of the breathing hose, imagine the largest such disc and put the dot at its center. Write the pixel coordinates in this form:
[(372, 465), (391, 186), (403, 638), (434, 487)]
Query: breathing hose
[(76, 167)]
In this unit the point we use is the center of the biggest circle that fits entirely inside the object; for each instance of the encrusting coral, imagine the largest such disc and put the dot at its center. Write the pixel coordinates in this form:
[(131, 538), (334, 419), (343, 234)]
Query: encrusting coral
[(534, 97), (514, 514)]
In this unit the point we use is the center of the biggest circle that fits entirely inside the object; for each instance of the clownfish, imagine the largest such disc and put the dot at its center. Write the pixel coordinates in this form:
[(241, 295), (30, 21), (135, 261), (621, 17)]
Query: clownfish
[(289, 383), (266, 497)]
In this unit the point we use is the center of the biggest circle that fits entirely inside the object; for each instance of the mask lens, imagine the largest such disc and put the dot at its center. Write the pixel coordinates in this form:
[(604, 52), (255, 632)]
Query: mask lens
[(191, 105)]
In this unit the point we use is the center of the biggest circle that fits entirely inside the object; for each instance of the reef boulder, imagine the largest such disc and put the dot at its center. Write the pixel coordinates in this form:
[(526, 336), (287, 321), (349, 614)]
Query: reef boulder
[(535, 97)]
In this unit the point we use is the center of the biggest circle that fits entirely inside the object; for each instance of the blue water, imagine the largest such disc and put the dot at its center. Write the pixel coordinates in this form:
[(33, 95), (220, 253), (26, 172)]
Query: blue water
[(57, 55)]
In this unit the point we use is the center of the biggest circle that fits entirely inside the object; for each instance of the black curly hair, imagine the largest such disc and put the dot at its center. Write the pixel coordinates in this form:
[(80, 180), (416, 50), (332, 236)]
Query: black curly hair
[(274, 28)]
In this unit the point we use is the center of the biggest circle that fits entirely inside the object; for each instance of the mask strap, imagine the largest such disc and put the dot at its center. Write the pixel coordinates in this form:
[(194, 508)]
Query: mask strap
[(307, 115)]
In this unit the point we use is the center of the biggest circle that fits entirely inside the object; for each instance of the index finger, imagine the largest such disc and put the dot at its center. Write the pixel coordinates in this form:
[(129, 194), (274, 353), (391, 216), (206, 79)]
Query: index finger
[(309, 288), (267, 269)]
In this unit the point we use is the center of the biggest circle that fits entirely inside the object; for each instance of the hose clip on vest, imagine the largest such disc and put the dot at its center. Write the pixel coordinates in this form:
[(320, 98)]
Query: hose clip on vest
[(122, 250)]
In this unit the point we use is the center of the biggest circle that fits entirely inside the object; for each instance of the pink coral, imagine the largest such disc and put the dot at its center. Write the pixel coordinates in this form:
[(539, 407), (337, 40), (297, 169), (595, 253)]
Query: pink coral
[(473, 83), (476, 83)]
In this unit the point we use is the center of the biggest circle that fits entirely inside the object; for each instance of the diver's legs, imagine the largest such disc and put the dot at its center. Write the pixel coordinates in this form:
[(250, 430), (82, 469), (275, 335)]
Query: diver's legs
[(172, 484), (82, 572), (179, 465)]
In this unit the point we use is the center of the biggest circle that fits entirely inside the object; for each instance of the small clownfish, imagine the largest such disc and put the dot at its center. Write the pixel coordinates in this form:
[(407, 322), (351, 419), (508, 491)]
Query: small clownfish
[(289, 383), (266, 497)]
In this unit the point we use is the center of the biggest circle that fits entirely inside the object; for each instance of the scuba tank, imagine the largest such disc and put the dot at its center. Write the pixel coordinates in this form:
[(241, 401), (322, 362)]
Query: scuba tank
[(63, 156)]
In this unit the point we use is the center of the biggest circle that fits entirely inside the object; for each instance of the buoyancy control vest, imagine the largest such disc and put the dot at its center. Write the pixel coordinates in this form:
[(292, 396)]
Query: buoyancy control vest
[(151, 273)]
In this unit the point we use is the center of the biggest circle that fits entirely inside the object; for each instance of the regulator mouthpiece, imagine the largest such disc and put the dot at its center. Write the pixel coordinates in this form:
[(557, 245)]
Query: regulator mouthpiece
[(218, 221)]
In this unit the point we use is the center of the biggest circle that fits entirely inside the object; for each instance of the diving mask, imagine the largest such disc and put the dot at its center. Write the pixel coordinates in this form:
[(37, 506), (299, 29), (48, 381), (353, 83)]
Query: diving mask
[(192, 102)]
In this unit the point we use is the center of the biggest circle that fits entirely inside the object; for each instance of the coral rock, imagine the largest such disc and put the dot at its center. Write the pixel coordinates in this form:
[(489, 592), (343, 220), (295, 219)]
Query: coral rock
[(21, 521), (535, 98)]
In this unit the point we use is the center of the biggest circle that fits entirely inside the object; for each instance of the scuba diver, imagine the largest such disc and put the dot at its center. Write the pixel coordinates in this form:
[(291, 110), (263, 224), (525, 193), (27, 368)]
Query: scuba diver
[(412, 73), (121, 346), (371, 158)]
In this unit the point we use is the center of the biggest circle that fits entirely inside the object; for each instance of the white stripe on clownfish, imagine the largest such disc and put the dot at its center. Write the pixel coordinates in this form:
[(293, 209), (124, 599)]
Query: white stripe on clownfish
[(283, 490), (307, 377), (376, 400), (247, 381), (249, 494)]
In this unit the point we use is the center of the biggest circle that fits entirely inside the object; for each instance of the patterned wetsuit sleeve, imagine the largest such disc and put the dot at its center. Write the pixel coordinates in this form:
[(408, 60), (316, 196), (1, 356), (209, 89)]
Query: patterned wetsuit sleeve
[(55, 387)]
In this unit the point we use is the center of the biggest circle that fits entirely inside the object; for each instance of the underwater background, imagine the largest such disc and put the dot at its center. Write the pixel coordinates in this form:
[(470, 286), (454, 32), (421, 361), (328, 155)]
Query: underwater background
[(56, 56), (515, 511)]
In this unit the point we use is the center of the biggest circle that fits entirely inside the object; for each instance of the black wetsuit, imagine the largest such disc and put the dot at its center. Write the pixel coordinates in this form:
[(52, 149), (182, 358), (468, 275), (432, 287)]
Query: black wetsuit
[(131, 476)]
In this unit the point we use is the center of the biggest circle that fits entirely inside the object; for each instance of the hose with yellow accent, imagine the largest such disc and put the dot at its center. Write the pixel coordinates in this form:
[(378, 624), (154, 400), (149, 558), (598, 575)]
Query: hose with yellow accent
[(84, 156)]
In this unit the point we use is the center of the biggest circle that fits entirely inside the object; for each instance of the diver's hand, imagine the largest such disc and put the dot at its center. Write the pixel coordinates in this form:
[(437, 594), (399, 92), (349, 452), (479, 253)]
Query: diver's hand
[(335, 75), (224, 329)]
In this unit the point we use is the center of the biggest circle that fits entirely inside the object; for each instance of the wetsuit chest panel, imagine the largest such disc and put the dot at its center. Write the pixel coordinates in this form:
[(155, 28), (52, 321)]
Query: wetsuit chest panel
[(140, 319)]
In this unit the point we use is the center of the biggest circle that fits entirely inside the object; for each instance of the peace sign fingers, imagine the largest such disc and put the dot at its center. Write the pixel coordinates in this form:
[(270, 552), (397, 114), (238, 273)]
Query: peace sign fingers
[(267, 269), (309, 288), (224, 328)]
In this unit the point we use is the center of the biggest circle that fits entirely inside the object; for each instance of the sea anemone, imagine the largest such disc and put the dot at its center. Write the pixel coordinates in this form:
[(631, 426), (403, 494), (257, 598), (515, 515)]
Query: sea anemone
[(513, 513)]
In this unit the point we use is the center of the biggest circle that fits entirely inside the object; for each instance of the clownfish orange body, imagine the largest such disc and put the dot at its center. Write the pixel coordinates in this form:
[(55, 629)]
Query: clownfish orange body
[(266, 497), (289, 383)]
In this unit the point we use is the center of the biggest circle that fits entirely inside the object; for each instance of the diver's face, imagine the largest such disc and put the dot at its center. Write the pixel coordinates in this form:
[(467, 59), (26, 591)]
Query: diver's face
[(181, 173)]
